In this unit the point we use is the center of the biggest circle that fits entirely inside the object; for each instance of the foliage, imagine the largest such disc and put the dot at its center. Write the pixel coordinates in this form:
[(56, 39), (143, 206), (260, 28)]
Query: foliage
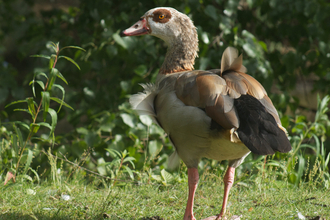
[(285, 45), (308, 146), (20, 148)]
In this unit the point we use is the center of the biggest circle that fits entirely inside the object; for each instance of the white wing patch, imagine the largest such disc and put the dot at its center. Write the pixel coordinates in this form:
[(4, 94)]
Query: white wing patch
[(143, 102), (173, 161)]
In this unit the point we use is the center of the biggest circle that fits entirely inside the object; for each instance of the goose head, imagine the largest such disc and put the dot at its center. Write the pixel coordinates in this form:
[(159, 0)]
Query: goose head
[(178, 32)]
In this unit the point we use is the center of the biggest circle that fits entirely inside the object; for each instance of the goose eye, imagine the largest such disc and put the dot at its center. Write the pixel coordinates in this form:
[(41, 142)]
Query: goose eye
[(161, 16)]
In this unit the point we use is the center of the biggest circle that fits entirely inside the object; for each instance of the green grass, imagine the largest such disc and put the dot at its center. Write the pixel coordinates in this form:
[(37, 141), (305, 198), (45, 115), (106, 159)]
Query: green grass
[(253, 198)]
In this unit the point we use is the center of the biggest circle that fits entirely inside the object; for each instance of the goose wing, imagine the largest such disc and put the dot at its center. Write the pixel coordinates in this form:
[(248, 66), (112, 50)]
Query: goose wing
[(235, 101)]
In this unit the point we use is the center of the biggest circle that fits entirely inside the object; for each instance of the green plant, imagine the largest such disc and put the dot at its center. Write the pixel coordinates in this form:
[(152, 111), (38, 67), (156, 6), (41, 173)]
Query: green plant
[(308, 145), (117, 166), (21, 146), (285, 46), (164, 178)]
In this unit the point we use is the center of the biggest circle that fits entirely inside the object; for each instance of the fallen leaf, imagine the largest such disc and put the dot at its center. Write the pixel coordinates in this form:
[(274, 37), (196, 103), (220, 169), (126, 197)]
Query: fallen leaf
[(301, 216), (65, 197), (30, 192), (9, 176)]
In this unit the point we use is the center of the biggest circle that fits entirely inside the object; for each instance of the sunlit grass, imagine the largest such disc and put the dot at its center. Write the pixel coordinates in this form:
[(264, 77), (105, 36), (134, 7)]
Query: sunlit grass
[(256, 197)]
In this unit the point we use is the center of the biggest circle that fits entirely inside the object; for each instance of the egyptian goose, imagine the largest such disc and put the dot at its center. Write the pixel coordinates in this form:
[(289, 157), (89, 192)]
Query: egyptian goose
[(221, 114)]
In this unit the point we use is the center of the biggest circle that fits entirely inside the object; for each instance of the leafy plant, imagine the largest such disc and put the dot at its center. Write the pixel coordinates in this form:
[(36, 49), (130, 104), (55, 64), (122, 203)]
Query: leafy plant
[(112, 68), (308, 145), (164, 178), (47, 83), (117, 166)]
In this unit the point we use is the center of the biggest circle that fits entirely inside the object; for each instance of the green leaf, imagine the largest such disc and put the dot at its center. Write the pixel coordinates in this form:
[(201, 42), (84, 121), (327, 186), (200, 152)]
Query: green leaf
[(61, 102), (28, 161), (52, 78), (154, 147), (263, 46), (35, 174), (24, 125), (53, 115), (211, 11), (249, 49), (130, 160), (41, 56), (63, 95), (15, 102), (119, 40), (14, 143), (71, 60), (34, 127), (23, 110), (60, 88), (205, 38), (45, 124), (168, 178), (73, 47), (128, 119), (101, 166), (40, 74), (157, 178), (301, 166), (45, 103), (26, 177), (52, 61), (51, 45), (114, 153), (327, 160), (20, 136), (141, 70), (59, 75), (129, 171), (31, 107), (41, 84)]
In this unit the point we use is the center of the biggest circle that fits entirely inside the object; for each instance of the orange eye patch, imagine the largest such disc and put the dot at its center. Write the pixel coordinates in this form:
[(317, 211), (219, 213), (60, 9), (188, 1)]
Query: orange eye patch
[(161, 16)]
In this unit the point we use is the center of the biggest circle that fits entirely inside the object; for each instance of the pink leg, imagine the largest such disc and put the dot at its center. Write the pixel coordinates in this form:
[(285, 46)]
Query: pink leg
[(193, 178), (228, 180)]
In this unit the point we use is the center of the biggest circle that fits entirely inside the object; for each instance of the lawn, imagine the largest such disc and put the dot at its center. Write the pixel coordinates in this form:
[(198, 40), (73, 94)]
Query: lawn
[(252, 197)]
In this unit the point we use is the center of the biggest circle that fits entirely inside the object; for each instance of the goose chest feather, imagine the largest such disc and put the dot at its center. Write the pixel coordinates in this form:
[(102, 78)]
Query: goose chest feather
[(222, 114)]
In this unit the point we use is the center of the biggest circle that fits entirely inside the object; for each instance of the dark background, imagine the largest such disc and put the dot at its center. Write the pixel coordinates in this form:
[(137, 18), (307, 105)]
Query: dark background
[(285, 45)]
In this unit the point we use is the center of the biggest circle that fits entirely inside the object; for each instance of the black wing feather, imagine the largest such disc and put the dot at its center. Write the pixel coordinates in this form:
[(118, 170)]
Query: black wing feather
[(258, 129)]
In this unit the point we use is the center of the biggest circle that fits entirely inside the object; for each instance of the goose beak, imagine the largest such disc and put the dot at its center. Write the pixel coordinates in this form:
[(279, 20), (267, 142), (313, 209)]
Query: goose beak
[(139, 28)]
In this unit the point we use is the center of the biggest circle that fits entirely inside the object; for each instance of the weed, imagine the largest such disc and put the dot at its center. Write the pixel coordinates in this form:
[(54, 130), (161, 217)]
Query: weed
[(19, 145)]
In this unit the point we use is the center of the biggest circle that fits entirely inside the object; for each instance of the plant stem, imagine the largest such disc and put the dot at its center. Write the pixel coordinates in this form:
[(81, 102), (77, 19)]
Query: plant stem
[(35, 118), (300, 142), (121, 164)]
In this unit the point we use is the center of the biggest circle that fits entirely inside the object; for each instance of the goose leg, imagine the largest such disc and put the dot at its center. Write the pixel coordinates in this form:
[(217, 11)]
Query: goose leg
[(228, 181), (193, 178)]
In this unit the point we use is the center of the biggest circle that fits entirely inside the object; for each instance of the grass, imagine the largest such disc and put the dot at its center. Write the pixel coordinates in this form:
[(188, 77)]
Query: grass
[(254, 197)]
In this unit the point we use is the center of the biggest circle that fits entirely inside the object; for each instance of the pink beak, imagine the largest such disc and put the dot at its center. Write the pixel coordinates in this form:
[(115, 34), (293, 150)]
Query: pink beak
[(139, 28)]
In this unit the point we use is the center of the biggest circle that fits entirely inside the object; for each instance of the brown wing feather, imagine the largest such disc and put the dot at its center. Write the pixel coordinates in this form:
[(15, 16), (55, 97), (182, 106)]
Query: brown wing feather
[(207, 90), (216, 94), (223, 112), (245, 84), (186, 89)]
